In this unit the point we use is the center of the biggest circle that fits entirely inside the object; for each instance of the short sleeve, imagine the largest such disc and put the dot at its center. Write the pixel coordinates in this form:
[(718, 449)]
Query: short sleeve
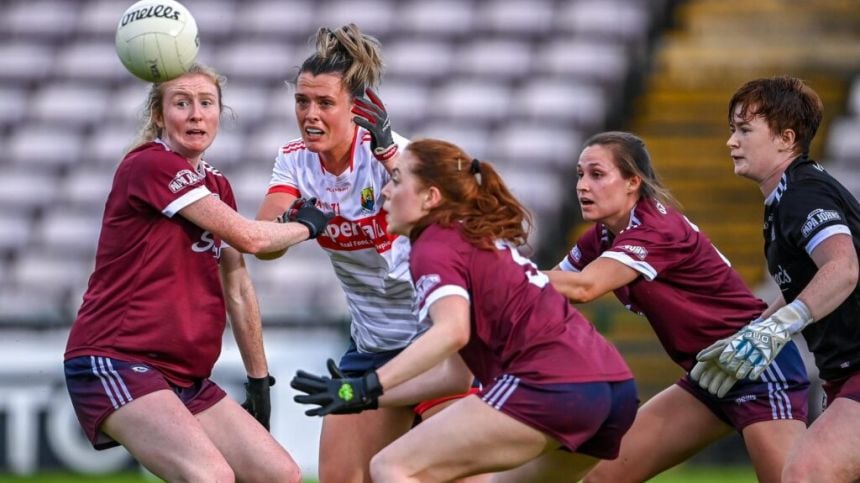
[(284, 175), (646, 251), (166, 182), (438, 270), (810, 213), (586, 250)]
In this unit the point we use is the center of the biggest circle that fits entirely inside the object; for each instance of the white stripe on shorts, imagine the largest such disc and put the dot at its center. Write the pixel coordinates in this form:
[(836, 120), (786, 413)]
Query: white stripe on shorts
[(501, 391), (780, 403), (111, 381)]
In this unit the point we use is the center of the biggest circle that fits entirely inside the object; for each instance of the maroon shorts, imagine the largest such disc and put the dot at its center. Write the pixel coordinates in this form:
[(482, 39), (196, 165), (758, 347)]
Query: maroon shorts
[(781, 392), (588, 418), (847, 387), (98, 386)]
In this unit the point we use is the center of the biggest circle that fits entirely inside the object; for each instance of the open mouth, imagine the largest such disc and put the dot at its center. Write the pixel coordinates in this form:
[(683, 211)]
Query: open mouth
[(314, 132)]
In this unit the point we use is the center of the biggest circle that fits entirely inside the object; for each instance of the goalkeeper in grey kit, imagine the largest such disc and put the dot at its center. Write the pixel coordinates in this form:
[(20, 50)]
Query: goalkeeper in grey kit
[(812, 237)]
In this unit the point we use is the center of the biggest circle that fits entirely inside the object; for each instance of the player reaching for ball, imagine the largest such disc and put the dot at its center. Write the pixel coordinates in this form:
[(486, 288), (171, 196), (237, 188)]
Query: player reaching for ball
[(168, 271)]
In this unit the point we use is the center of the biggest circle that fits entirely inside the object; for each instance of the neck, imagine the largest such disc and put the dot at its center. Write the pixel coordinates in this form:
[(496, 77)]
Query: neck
[(337, 160), (771, 181)]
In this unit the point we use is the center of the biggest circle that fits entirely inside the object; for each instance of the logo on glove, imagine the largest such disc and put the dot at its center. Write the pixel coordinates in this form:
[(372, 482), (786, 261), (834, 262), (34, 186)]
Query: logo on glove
[(345, 392)]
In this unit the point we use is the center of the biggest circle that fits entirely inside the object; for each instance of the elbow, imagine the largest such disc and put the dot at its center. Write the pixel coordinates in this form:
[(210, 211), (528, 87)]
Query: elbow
[(248, 244), (578, 295)]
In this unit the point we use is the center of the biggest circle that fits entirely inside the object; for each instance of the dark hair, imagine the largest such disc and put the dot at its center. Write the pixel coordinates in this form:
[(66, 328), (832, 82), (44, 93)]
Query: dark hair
[(154, 106), (473, 193), (632, 159), (346, 51), (784, 102)]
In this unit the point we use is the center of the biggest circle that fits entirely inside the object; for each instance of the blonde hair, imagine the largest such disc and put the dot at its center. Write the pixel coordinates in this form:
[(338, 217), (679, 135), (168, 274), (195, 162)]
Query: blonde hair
[(346, 51), (154, 106)]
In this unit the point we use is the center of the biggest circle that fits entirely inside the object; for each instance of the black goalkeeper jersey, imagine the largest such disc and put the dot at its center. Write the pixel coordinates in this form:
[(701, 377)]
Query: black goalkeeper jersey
[(807, 207)]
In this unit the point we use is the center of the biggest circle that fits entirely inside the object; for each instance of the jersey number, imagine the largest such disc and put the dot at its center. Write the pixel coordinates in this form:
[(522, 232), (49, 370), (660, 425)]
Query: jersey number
[(534, 276)]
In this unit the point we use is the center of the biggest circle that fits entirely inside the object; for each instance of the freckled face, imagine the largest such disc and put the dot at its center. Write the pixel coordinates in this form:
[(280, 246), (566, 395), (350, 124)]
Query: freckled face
[(191, 115), (405, 199)]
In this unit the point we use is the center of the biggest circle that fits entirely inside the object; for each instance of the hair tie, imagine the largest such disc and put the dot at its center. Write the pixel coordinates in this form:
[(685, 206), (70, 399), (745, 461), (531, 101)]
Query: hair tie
[(476, 169)]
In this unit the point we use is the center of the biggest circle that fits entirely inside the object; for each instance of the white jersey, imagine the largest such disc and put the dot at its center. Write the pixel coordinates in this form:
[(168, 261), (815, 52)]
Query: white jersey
[(371, 264)]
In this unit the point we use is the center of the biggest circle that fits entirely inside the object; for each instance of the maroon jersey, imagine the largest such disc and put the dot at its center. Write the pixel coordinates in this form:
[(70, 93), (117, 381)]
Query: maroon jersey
[(155, 295), (687, 289), (520, 325)]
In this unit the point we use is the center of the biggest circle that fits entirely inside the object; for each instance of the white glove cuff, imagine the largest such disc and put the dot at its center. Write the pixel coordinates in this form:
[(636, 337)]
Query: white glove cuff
[(796, 316)]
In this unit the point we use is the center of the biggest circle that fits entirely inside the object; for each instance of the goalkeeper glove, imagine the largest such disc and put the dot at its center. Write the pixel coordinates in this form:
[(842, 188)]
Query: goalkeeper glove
[(304, 211), (371, 115), (257, 401), (708, 373), (337, 394), (754, 347)]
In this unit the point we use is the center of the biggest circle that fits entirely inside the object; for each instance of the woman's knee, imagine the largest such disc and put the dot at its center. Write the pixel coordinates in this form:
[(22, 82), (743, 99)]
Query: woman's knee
[(384, 468)]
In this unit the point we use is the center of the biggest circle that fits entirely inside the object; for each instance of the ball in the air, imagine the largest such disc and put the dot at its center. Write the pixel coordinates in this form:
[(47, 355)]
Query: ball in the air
[(156, 40)]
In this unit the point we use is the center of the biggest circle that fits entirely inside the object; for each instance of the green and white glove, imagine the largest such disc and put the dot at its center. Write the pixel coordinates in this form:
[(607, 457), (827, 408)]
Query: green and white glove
[(754, 347)]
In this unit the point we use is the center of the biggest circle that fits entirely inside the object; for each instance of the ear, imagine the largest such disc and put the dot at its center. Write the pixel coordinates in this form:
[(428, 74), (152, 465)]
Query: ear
[(431, 198), (787, 139), (633, 184), (158, 120)]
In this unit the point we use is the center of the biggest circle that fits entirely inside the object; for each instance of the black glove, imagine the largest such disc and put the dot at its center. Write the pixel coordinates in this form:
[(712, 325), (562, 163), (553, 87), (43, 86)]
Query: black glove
[(371, 115), (337, 394), (304, 211), (257, 401)]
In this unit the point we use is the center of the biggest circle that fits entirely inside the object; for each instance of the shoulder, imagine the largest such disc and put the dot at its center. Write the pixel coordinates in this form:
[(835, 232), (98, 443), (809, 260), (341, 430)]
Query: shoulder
[(654, 220), (438, 238), (151, 157), (294, 150)]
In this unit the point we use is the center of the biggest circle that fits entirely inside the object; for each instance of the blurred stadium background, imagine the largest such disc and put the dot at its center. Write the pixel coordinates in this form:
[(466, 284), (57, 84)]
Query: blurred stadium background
[(520, 83)]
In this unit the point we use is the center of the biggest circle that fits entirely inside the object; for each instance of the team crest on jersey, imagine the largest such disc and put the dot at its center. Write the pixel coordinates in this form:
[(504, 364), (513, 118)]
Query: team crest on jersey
[(815, 218), (367, 198), (576, 254), (185, 177)]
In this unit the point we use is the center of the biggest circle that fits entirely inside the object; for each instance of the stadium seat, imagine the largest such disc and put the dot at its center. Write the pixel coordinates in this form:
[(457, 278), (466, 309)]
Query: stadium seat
[(474, 139), (498, 60), (580, 59), (544, 145), (471, 100), (444, 18), (516, 17), (26, 62), (14, 101), (843, 144), (99, 18), (40, 19), (26, 188), (565, 101), (50, 145), (72, 232), (374, 17), (254, 60), (70, 103), (216, 19), (276, 19), (94, 61), (86, 189), (418, 60), (16, 232)]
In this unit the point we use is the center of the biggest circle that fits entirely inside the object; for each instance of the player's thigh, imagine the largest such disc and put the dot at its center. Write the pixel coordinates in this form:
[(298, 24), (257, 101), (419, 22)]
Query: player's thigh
[(467, 438), (251, 451), (160, 432), (669, 428), (768, 444), (349, 441), (828, 450), (557, 466)]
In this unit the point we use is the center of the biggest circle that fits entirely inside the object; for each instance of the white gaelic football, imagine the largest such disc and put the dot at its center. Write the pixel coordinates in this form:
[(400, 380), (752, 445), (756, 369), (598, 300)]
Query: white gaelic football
[(156, 40)]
